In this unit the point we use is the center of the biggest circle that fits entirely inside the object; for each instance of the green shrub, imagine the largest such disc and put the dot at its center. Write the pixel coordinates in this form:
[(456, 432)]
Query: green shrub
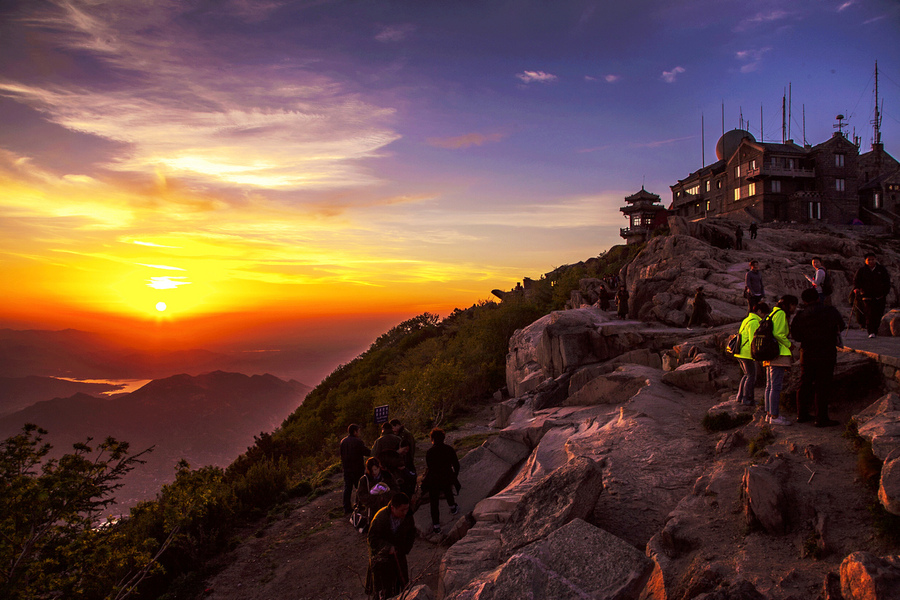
[(763, 439)]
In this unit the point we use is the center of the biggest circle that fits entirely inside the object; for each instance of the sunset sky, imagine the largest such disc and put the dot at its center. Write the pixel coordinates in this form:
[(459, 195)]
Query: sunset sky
[(264, 167)]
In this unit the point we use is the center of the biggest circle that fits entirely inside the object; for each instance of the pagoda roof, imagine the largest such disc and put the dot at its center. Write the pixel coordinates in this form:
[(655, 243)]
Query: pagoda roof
[(642, 195)]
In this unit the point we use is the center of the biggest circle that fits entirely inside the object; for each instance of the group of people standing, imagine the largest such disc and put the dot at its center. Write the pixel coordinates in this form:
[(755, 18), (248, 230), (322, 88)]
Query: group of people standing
[(817, 327), (387, 492)]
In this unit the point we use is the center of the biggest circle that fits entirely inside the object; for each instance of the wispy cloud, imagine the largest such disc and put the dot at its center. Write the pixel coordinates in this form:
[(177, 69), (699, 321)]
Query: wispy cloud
[(763, 18), (151, 244), (536, 77), (275, 127), (751, 58), (659, 143), (395, 33), (612, 78), (671, 76), (846, 5), (166, 283), (467, 140), (163, 267)]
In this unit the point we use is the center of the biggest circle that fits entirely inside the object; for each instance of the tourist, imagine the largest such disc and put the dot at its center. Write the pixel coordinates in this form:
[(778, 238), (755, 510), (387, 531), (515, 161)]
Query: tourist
[(604, 298), (441, 477), (753, 228), (738, 238), (754, 290), (818, 328), (745, 358), (622, 302), (392, 533), (406, 478), (353, 456), (873, 284), (375, 488), (776, 367), (387, 448), (700, 314), (818, 280)]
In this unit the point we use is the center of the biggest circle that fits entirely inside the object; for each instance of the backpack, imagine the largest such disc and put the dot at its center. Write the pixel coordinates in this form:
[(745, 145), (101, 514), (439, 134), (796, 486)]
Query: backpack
[(733, 346), (827, 286), (764, 346)]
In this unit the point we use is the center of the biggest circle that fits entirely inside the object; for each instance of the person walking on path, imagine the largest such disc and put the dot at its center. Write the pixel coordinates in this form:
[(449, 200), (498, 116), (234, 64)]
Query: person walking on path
[(776, 367), (387, 448), (442, 476), (375, 489), (622, 302), (748, 327), (700, 315), (818, 280), (754, 290), (753, 228), (738, 238), (353, 456), (604, 298), (817, 327), (873, 284), (390, 539)]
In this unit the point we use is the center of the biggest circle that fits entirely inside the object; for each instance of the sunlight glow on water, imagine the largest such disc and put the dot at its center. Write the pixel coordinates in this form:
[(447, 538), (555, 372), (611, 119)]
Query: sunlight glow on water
[(123, 386)]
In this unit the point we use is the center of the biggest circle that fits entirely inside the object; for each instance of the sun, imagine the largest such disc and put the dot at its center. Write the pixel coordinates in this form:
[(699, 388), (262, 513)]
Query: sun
[(160, 306)]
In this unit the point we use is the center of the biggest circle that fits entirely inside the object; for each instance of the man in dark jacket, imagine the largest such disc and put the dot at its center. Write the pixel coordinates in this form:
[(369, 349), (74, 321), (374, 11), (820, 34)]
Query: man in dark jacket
[(754, 290), (353, 455), (442, 476), (873, 284), (817, 327), (391, 537)]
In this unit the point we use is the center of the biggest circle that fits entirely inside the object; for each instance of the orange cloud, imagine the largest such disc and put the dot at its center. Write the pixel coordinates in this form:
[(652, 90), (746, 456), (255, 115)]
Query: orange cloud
[(467, 140)]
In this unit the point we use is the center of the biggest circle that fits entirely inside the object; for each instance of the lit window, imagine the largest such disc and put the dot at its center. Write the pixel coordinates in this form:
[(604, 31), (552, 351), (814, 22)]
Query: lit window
[(708, 204), (752, 164), (814, 210), (635, 220), (737, 194), (790, 164), (719, 184), (839, 185), (839, 160), (707, 185), (776, 185), (751, 189), (877, 200), (693, 190), (737, 171)]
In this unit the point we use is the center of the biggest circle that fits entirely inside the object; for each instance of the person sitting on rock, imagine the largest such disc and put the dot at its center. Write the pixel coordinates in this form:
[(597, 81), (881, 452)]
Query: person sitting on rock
[(748, 327), (701, 310), (441, 477), (390, 539), (375, 489)]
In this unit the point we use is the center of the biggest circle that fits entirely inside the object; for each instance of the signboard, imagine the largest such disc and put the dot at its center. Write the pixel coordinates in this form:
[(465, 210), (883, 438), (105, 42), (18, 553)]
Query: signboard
[(381, 414)]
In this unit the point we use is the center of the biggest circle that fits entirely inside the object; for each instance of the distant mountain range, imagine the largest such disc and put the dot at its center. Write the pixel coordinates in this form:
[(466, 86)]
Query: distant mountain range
[(208, 419)]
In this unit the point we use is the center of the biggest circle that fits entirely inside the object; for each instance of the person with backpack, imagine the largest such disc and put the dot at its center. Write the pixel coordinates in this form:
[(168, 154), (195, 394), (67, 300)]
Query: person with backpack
[(442, 476), (748, 365), (817, 327), (776, 367)]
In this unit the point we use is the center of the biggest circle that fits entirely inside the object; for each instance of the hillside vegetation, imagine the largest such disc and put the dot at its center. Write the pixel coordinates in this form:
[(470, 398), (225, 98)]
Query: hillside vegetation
[(428, 370)]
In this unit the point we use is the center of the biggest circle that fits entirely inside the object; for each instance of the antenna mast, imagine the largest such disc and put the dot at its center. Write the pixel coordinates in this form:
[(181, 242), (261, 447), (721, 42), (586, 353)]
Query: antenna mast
[(790, 108), (702, 142), (876, 122)]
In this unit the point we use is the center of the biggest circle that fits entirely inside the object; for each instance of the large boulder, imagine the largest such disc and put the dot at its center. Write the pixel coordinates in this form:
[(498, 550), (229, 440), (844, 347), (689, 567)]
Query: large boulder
[(865, 576), (575, 562), (765, 498), (567, 493), (889, 485)]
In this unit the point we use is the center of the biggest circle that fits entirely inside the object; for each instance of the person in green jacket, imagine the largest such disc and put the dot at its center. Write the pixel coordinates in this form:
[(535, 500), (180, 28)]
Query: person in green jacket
[(776, 368), (748, 327)]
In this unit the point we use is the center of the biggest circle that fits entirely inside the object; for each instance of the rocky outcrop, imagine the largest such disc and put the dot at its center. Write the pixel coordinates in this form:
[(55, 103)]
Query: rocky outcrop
[(865, 576), (880, 425), (765, 500), (576, 561), (568, 493)]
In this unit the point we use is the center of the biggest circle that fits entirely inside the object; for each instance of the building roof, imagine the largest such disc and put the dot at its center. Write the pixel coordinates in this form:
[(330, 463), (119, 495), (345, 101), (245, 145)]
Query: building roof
[(642, 195)]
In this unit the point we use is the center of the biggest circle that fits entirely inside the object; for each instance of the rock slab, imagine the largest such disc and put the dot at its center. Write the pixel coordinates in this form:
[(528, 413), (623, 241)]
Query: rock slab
[(577, 561)]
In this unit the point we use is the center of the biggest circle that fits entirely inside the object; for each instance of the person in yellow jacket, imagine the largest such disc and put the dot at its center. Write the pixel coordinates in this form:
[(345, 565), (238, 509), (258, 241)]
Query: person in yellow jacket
[(776, 368), (748, 327)]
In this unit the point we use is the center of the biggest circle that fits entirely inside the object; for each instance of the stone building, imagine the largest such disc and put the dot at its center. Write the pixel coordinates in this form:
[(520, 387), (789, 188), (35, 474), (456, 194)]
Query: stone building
[(645, 215), (766, 181)]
